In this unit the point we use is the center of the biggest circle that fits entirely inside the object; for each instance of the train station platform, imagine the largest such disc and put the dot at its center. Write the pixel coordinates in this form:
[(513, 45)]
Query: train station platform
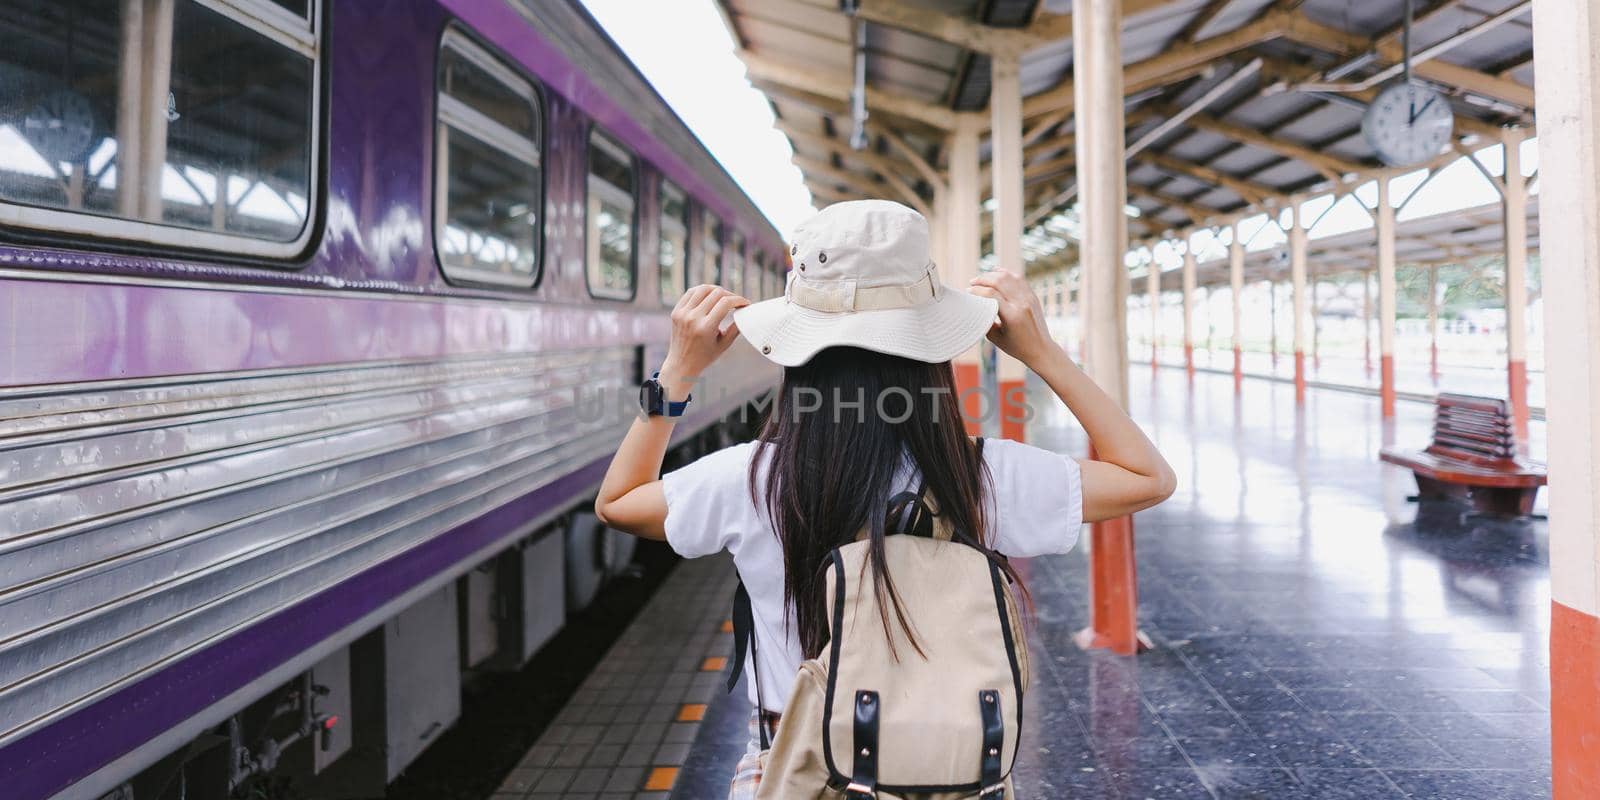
[(1315, 635)]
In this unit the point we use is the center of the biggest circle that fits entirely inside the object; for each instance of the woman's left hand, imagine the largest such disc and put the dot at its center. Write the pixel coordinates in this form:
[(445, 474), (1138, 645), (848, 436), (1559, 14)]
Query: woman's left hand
[(1021, 332)]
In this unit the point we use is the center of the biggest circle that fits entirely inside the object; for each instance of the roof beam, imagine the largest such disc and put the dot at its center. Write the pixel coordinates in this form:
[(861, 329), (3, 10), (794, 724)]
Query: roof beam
[(761, 68), (957, 30), (1332, 167), (1292, 74), (1195, 212), (830, 194), (886, 170), (1200, 20), (898, 144), (1306, 31), (837, 110), (1055, 27), (1175, 64), (1253, 193), (1044, 125), (823, 172), (1048, 167)]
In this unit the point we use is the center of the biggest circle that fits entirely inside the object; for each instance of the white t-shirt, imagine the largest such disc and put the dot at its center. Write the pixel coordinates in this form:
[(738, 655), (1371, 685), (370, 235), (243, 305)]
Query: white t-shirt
[(1036, 508)]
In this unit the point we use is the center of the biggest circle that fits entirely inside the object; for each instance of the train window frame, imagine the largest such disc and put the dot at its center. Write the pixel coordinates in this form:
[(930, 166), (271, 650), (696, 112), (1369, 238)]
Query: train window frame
[(665, 185), (302, 35), (452, 112), (619, 151), (737, 252)]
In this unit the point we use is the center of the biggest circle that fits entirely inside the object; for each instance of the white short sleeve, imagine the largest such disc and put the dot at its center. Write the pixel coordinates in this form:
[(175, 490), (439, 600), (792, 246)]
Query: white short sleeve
[(708, 502), (1038, 498)]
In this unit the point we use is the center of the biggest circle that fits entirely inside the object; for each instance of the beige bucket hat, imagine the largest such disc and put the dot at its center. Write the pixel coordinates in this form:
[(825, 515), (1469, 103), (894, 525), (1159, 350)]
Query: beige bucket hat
[(862, 278)]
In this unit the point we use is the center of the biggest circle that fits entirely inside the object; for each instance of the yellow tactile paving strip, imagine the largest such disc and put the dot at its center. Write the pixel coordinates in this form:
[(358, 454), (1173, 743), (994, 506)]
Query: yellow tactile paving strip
[(627, 730)]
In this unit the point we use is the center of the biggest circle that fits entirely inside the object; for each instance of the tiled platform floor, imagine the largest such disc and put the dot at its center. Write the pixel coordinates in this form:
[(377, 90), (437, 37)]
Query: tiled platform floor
[(628, 730), (1315, 638)]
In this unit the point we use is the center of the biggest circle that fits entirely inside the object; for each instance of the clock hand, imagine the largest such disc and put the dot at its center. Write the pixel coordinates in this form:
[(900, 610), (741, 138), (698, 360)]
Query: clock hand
[(1418, 112)]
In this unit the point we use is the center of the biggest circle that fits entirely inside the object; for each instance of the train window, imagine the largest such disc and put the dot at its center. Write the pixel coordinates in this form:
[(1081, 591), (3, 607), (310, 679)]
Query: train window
[(774, 278), (733, 281), (710, 248), (611, 230), (672, 260), (204, 141), (488, 176)]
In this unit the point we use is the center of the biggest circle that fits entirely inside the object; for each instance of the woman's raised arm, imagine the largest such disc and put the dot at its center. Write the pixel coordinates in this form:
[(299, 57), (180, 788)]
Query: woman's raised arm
[(630, 497), (1128, 473)]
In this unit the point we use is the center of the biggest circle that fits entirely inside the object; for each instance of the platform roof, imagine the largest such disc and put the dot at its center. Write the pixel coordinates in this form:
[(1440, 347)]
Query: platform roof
[(1238, 104)]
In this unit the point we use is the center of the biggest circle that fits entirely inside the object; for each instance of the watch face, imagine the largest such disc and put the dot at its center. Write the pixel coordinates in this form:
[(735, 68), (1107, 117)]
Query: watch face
[(1408, 124), (650, 397)]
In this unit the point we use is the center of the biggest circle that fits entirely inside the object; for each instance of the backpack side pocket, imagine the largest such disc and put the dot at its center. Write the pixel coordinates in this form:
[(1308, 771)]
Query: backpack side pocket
[(794, 766)]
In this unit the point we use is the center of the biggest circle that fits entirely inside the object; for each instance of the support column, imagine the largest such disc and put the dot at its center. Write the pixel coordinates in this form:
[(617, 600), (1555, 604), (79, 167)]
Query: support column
[(1297, 273), (1386, 297), (1188, 305), (1153, 281), (1433, 322), (1103, 187), (1272, 313), (1515, 202), (1005, 124), (1316, 325), (1070, 312), (1366, 322), (1236, 285), (1567, 53), (962, 240)]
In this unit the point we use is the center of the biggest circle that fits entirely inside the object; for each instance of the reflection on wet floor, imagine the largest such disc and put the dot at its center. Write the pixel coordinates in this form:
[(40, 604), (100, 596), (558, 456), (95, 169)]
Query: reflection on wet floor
[(1317, 636)]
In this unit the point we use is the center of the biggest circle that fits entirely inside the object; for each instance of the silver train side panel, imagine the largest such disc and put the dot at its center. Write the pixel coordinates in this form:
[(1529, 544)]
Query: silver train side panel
[(140, 522)]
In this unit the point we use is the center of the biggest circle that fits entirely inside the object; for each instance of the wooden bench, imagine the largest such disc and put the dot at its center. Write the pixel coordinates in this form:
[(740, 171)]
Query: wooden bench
[(1473, 457)]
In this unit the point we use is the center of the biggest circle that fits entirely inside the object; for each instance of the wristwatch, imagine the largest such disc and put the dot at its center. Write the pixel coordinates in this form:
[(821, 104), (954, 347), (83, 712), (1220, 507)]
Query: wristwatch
[(653, 400)]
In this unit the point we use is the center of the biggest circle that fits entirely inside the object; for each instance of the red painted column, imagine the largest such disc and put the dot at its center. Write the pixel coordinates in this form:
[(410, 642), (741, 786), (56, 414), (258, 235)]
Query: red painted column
[(1297, 272), (1514, 197), (1574, 702), (969, 390), (1567, 54), (1102, 185), (1013, 410), (1114, 593), (1517, 393), (1386, 383)]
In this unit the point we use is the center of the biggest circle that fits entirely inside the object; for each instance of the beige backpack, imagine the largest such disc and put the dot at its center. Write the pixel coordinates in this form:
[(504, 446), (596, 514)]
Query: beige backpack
[(862, 723)]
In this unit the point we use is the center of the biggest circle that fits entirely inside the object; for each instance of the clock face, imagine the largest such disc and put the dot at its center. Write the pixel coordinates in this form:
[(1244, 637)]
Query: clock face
[(1408, 124)]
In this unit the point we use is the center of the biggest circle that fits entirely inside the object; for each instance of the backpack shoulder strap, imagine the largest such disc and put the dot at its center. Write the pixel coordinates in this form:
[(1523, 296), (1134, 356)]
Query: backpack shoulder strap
[(744, 642)]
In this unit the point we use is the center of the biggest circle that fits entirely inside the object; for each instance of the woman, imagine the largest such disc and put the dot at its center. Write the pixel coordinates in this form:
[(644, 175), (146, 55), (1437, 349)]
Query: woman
[(867, 410)]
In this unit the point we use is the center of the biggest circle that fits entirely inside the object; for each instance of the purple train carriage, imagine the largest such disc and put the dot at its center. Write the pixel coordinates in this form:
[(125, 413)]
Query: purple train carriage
[(301, 302)]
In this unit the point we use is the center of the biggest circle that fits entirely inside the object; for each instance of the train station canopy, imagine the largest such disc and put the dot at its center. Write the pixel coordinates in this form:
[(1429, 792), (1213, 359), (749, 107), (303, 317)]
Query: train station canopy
[(1233, 107)]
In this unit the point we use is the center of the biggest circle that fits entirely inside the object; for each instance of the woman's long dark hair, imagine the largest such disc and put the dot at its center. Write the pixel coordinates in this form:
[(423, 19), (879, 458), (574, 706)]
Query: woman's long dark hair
[(838, 432)]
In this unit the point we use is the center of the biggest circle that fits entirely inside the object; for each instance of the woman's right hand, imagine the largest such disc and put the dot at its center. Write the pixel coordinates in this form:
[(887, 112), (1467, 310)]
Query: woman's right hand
[(1022, 332), (698, 337)]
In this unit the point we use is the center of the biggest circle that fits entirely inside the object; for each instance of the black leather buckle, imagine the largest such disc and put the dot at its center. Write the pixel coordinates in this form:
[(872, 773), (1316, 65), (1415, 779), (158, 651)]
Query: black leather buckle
[(864, 778), (994, 734)]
